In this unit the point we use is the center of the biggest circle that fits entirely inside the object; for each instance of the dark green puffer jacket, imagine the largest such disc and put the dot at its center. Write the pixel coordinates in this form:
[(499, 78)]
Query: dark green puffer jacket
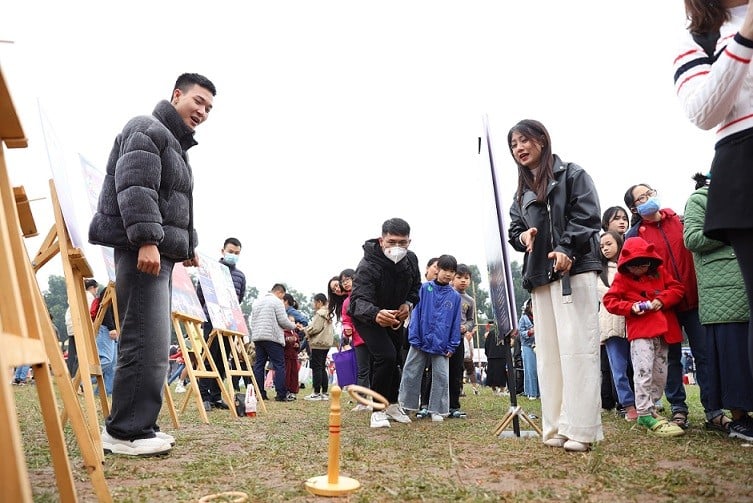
[(721, 291), (146, 197)]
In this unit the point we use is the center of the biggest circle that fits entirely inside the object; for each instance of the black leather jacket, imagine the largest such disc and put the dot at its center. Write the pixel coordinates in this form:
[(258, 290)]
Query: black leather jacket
[(569, 222)]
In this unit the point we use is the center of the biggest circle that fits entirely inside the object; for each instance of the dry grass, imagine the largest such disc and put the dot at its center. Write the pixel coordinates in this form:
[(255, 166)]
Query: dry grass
[(271, 456)]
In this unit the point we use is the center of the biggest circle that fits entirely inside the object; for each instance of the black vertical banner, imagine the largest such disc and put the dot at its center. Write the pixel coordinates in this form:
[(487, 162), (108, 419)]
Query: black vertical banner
[(502, 293)]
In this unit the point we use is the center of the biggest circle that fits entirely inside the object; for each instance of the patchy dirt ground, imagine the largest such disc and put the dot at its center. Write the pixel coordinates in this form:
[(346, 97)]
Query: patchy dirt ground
[(271, 456)]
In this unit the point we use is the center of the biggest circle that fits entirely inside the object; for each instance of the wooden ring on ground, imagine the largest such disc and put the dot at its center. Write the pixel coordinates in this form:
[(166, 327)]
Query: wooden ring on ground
[(232, 496), (356, 392)]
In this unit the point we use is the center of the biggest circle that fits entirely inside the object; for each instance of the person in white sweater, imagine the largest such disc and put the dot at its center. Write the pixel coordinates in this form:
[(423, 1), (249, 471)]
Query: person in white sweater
[(714, 83)]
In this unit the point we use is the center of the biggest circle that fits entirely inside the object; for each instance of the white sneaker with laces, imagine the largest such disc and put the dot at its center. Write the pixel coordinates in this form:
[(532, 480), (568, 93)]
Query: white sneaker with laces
[(361, 407), (313, 397), (324, 396), (379, 420), (437, 418), (166, 437), (397, 413), (141, 447), (180, 388)]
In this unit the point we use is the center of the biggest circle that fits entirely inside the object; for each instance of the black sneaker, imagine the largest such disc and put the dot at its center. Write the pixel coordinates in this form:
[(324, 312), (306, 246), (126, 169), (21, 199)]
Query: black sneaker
[(457, 413), (286, 398), (219, 404), (741, 429)]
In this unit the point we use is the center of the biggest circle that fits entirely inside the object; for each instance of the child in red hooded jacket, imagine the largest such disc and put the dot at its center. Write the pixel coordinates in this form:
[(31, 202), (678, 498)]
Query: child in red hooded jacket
[(644, 293)]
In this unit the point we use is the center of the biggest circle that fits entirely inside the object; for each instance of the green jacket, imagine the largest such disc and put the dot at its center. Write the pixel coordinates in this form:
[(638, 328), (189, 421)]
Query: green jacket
[(721, 290)]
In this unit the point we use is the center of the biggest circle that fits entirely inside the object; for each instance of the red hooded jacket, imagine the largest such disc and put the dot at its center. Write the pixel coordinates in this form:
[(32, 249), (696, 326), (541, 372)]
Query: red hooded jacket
[(666, 235), (657, 283)]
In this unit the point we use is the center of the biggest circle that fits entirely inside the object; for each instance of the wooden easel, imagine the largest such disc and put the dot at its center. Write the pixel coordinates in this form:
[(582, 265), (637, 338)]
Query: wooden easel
[(229, 373), (27, 337), (191, 327), (76, 269)]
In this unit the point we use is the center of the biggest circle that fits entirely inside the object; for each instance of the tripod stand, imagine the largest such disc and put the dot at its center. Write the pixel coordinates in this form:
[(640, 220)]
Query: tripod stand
[(515, 412)]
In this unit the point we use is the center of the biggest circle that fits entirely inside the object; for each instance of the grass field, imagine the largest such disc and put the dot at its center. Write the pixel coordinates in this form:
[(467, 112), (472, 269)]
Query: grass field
[(269, 458)]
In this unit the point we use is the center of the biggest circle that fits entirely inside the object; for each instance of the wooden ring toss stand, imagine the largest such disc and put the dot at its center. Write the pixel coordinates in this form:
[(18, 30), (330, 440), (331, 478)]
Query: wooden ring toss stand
[(333, 484)]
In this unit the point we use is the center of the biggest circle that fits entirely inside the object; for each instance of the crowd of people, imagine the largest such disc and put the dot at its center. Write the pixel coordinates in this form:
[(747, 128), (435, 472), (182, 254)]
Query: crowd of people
[(613, 293)]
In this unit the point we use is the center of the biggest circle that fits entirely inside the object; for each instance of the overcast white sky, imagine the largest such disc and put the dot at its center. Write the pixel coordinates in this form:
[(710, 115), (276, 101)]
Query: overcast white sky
[(332, 116)]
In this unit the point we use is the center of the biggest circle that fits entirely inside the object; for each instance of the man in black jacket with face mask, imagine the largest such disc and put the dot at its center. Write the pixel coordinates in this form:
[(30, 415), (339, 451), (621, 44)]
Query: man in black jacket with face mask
[(385, 287)]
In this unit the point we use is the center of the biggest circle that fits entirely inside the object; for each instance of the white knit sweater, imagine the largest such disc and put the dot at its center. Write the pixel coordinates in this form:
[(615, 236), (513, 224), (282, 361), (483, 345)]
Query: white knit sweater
[(720, 94)]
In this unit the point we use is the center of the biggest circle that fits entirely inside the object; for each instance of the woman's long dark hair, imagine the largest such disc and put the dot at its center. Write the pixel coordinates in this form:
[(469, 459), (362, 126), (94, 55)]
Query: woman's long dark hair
[(604, 275), (533, 130)]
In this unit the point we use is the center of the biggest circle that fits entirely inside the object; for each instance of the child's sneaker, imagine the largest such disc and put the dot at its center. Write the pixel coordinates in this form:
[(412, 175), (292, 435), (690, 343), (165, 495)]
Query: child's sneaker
[(437, 418), (660, 428), (631, 414), (180, 388), (741, 429), (422, 414), (379, 420), (397, 413), (457, 413)]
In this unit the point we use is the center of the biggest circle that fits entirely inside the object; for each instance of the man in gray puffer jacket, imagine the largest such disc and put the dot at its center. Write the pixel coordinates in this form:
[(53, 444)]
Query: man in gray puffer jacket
[(145, 212)]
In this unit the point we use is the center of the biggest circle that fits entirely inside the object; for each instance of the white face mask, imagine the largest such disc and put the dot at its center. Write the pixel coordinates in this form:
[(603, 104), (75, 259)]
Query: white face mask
[(230, 258), (395, 253)]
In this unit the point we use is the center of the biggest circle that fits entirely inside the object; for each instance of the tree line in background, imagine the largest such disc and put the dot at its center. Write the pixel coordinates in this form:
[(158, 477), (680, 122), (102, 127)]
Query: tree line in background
[(56, 298)]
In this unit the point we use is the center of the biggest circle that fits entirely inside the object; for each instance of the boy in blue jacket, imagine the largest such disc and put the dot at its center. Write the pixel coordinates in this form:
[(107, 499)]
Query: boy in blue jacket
[(433, 335)]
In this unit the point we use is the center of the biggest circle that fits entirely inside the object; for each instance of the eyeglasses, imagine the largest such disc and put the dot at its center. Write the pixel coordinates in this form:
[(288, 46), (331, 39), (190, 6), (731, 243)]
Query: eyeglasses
[(403, 243), (639, 265), (644, 197)]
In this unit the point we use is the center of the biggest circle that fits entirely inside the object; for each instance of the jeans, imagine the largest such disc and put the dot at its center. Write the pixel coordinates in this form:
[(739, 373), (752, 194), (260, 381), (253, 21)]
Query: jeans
[(22, 371), (410, 384), (530, 372), (698, 346), (618, 351), (274, 353), (144, 308), (108, 356)]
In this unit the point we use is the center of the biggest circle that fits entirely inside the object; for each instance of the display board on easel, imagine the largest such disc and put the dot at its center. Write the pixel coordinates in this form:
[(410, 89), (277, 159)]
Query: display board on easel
[(227, 319), (502, 292), (27, 337)]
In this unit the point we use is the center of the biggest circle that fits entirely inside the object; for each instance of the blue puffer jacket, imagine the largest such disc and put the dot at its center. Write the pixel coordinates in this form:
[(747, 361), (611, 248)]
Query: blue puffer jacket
[(146, 197), (435, 322)]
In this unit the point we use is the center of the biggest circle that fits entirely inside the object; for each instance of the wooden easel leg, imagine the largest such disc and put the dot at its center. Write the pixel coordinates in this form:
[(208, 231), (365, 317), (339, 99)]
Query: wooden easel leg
[(14, 478), (171, 406)]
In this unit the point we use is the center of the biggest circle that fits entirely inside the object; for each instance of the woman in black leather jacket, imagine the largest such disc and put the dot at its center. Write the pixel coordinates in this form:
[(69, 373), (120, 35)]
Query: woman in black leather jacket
[(555, 221)]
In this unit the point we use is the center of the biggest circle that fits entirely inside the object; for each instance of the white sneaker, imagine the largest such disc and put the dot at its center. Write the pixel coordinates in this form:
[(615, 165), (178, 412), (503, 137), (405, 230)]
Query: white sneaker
[(575, 446), (180, 388), (437, 418), (556, 441), (361, 407), (313, 397), (166, 437), (397, 413), (141, 447), (379, 420), (324, 396)]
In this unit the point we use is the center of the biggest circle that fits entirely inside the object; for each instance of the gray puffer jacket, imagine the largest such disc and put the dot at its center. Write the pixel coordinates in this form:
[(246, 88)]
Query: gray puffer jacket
[(146, 197)]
